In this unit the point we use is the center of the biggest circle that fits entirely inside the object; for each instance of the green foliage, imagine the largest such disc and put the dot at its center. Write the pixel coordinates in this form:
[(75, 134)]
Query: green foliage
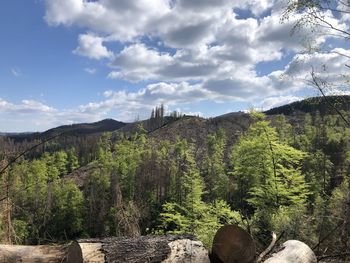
[(278, 177), (60, 161), (189, 213), (44, 204), (97, 195), (66, 220), (267, 174), (21, 229), (72, 160), (216, 180)]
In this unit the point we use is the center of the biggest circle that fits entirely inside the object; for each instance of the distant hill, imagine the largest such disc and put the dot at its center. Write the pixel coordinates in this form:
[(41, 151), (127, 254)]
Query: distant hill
[(194, 128), (314, 104), (15, 133), (107, 125)]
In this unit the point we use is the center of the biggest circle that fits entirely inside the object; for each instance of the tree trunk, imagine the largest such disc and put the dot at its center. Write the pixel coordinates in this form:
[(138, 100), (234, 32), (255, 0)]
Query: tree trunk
[(174, 249), (67, 253), (166, 249)]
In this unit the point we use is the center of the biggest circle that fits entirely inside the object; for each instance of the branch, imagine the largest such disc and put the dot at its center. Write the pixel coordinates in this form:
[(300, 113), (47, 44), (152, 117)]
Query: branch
[(326, 236), (268, 249), (318, 86), (322, 20), (340, 54), (32, 148), (334, 255)]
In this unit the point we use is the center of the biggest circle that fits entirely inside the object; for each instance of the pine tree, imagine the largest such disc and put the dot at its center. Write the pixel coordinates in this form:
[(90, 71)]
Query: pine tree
[(72, 160), (216, 179), (188, 213)]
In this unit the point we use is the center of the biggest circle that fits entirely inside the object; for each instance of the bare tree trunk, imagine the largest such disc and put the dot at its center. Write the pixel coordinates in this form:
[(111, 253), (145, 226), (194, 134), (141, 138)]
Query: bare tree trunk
[(8, 216)]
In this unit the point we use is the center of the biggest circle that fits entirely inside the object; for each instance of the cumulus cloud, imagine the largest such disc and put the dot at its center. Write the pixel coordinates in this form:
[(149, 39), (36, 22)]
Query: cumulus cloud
[(272, 102), (25, 107), (329, 67), (22, 116), (193, 50), (91, 46)]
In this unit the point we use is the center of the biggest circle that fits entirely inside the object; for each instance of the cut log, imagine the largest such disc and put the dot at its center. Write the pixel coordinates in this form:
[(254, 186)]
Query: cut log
[(166, 249), (91, 252), (293, 251), (41, 254), (186, 250), (232, 244)]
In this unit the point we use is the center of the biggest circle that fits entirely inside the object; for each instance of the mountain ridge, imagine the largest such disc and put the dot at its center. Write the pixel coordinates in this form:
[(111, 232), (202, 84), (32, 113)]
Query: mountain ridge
[(308, 105), (105, 125)]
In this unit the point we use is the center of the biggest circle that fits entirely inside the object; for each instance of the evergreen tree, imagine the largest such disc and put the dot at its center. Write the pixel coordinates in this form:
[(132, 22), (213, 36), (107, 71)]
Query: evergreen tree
[(216, 179), (72, 160), (188, 213)]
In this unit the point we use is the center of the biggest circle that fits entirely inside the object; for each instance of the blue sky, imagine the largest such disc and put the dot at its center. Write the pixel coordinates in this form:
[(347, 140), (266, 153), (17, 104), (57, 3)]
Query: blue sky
[(69, 61)]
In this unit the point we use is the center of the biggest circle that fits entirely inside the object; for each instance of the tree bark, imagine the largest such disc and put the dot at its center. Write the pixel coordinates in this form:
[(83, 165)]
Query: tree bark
[(67, 253), (166, 249), (174, 249)]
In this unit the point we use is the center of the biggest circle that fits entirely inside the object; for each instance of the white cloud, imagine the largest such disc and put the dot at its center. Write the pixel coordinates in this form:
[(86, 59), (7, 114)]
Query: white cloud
[(16, 72), (330, 67), (25, 107), (137, 62), (90, 70), (108, 93), (193, 50), (122, 19), (91, 46), (277, 101)]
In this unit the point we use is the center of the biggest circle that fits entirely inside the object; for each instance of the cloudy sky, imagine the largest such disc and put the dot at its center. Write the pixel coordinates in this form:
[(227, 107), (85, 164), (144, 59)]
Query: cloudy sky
[(68, 61)]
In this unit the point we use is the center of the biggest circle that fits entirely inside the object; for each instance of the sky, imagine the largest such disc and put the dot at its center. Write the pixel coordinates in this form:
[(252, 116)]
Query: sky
[(73, 61)]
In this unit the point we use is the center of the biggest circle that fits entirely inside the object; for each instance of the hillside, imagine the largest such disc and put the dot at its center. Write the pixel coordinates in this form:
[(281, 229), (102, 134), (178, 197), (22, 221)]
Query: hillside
[(187, 127), (314, 104), (81, 129), (160, 178)]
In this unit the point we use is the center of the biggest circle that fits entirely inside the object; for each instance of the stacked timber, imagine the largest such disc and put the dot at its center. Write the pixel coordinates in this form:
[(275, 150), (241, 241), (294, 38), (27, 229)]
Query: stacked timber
[(166, 249)]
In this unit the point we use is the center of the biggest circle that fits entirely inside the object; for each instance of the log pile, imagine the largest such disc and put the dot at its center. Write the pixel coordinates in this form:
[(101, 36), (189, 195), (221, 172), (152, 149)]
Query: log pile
[(166, 249), (231, 244)]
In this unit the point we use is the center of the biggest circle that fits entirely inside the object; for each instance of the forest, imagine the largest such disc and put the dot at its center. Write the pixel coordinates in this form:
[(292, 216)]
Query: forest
[(290, 179)]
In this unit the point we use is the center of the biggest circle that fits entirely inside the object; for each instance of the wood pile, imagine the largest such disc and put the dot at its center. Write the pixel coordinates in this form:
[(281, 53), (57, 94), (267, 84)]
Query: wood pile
[(166, 249)]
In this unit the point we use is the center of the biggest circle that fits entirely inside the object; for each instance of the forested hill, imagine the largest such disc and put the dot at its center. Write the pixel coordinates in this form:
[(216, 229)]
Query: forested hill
[(106, 125), (182, 174), (311, 105), (190, 126)]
